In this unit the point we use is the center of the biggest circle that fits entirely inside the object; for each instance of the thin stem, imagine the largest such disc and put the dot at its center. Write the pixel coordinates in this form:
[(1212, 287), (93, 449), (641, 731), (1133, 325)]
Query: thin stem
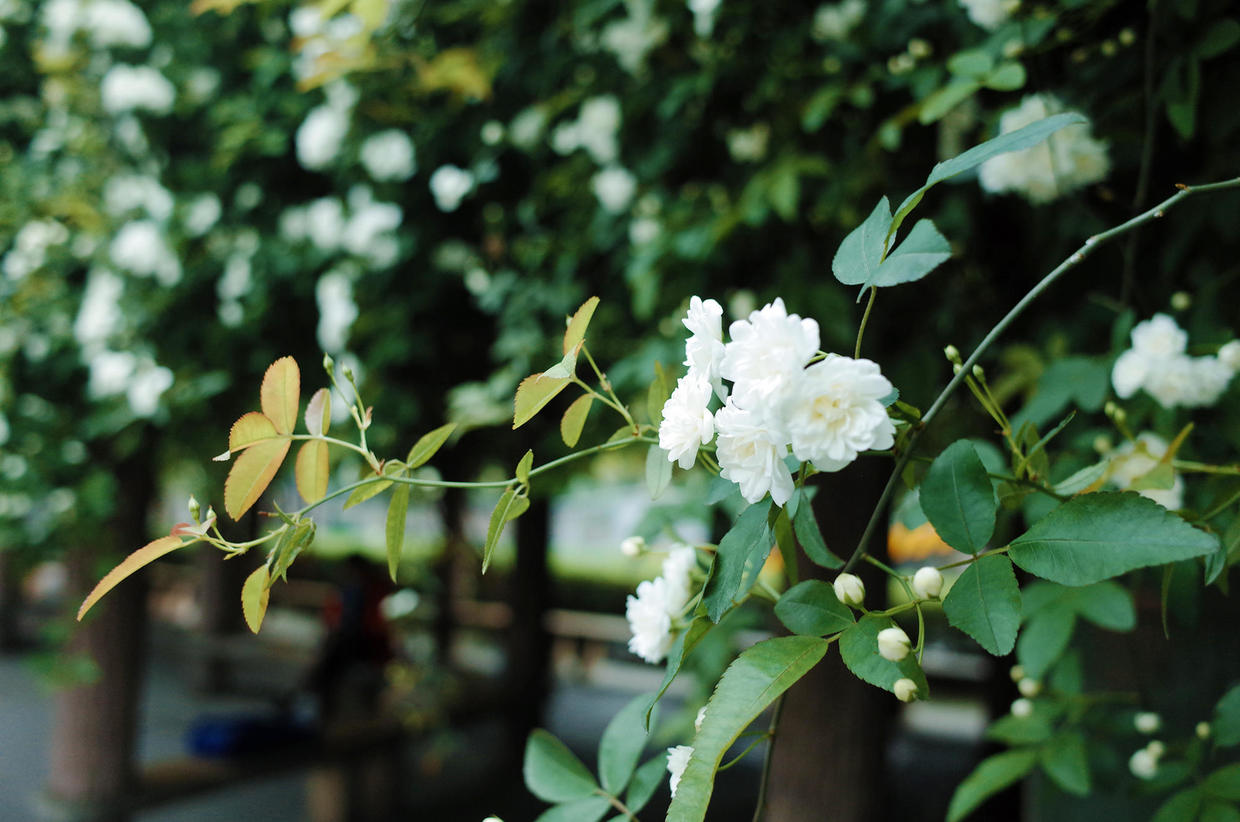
[(760, 810), (1028, 483), (617, 804), (605, 400), (865, 318), (606, 384), (1046, 282), (891, 573), (975, 558), (758, 741), (1190, 467), (371, 459)]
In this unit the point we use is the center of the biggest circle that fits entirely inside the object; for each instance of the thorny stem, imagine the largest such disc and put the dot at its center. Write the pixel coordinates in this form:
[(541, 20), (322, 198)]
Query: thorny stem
[(1046, 282)]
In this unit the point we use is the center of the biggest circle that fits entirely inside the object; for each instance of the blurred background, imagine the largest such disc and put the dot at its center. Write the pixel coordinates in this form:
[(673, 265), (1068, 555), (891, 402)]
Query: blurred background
[(424, 189)]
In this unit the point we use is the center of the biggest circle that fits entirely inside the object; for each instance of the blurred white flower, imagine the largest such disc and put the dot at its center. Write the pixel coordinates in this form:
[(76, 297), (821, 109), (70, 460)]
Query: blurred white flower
[(325, 223), (337, 311), (368, 232), (633, 546), (146, 386), (633, 37), (388, 156), (650, 621), (492, 133), (201, 83), (749, 145), (1229, 356), (320, 136), (136, 88), (202, 214), (236, 281), (99, 315), (751, 455), (110, 372), (1159, 337), (614, 187), (836, 20), (990, 14), (598, 122), (677, 761), (1134, 459), (832, 412), (1069, 159), (765, 350), (526, 128), (124, 193), (1147, 722), (116, 23), (1143, 764), (449, 185), (1022, 708), (703, 16), (30, 247), (687, 422), (141, 249), (644, 231)]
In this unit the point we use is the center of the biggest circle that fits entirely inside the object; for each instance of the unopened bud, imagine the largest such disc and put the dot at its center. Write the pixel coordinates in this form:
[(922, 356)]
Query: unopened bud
[(1156, 748), (849, 589), (1029, 687), (329, 365), (1127, 37), (952, 353), (957, 368), (1017, 673), (348, 373), (1147, 722), (1202, 730), (893, 644), (194, 508), (1022, 708), (978, 372), (1143, 764), (633, 546), (905, 689), (928, 583), (1181, 300)]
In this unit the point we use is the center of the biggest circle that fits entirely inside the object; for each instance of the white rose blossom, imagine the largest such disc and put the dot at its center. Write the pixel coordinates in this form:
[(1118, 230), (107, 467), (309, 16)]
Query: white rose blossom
[(704, 348), (833, 412), (652, 612), (765, 350), (677, 761), (1134, 460), (1157, 363), (687, 422), (751, 455)]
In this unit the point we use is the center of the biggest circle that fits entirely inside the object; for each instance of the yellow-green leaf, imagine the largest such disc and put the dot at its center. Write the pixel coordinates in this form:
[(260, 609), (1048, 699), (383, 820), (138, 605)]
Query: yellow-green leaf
[(395, 528), (281, 394), (428, 445), (319, 412), (364, 493), (577, 326), (311, 470), (524, 466), (533, 393), (574, 419), (254, 595), (509, 507), (146, 554), (252, 473), (657, 394), (252, 427)]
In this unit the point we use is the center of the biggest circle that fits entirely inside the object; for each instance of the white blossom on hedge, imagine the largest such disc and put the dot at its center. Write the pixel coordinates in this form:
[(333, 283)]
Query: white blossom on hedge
[(687, 421), (389, 156), (677, 761), (835, 21), (1069, 159), (146, 387), (334, 295), (990, 14), (99, 315), (766, 350), (449, 185), (324, 223), (116, 23), (136, 88), (614, 187), (202, 214), (704, 349), (1157, 363), (1134, 459), (321, 135), (1229, 356), (751, 455), (704, 16), (125, 193), (141, 249), (631, 38), (832, 412)]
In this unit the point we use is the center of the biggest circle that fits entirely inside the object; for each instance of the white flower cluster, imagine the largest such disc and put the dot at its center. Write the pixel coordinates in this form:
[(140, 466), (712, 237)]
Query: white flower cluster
[(677, 761), (1069, 159), (136, 88), (835, 21), (990, 14), (595, 131), (30, 247), (630, 39), (321, 42), (389, 156), (785, 398), (658, 603), (449, 185), (321, 135), (1157, 364), (366, 229), (106, 23)]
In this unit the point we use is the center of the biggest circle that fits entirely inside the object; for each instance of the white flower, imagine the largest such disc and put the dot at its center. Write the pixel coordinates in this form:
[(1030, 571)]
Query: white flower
[(632, 38), (1157, 363), (449, 185), (751, 455), (99, 316), (337, 310), (765, 350), (1129, 373), (202, 215), (1133, 460), (320, 136), (687, 422), (124, 193), (136, 88), (677, 761), (368, 228), (140, 248), (1147, 722), (597, 124), (614, 187), (1069, 159), (832, 412), (1159, 337), (749, 145), (990, 14), (835, 21), (650, 621), (928, 583), (677, 568), (389, 156), (116, 23), (905, 689), (1202, 730), (849, 589), (644, 231), (704, 348), (893, 644), (632, 546), (324, 223), (703, 16), (146, 387), (1022, 708), (527, 127), (1229, 356), (110, 372), (1143, 764)]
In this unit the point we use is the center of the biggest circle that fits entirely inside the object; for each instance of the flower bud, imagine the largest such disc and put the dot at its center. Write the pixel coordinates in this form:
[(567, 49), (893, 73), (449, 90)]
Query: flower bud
[(1147, 722), (492, 819), (1156, 748), (849, 589), (1029, 687), (957, 368), (632, 546), (928, 583), (893, 644), (952, 353), (1181, 300), (1017, 673), (194, 508), (905, 689), (1022, 708), (1202, 730), (1143, 764), (329, 365), (978, 372)]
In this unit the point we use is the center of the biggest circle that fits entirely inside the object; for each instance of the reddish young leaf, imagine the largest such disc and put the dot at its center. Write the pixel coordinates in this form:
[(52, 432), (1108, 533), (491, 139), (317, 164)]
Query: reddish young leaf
[(146, 554), (251, 474)]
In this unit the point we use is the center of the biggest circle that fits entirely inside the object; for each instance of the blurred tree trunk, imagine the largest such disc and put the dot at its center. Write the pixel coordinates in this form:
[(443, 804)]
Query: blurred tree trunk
[(95, 725), (529, 645), (827, 759), (220, 594), (10, 602)]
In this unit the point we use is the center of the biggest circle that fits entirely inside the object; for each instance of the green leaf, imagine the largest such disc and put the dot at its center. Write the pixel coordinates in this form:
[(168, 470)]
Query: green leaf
[(251, 473), (1107, 605), (1006, 77), (860, 254), (781, 529), (318, 414), (1021, 730), (374, 489), (255, 593), (311, 470), (1225, 726), (574, 419), (645, 781), (533, 393), (509, 507), (812, 609), (577, 325), (565, 368), (1215, 811), (985, 603), (745, 546), (859, 650), (395, 527), (922, 251), (587, 809), (1044, 639), (1221, 36), (292, 542), (552, 772), (658, 471), (657, 395), (971, 63), (1098, 536), (684, 644), (943, 100), (992, 775), (523, 468), (1064, 760), (805, 526), (428, 445), (280, 394), (1182, 807), (751, 683), (143, 556), (1224, 783), (958, 499), (622, 744)]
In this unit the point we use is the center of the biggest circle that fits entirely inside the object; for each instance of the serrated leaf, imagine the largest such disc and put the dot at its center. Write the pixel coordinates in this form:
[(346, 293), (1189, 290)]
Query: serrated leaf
[(374, 489), (958, 499), (1065, 762), (1098, 536), (533, 393), (311, 470), (744, 546), (250, 428), (523, 467), (509, 507), (1044, 639), (645, 781), (552, 772), (394, 527), (621, 745), (859, 650), (992, 775), (291, 543), (574, 419), (658, 471), (812, 609), (805, 526), (1225, 726), (588, 809), (565, 368), (860, 254), (576, 331), (255, 594), (985, 603), (922, 251), (684, 644), (751, 683), (428, 445), (252, 473), (319, 412), (145, 555), (281, 394)]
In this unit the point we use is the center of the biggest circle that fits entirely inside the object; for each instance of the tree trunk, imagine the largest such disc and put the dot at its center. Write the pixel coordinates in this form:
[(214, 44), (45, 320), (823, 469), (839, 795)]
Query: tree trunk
[(529, 646), (219, 590), (10, 602), (827, 758)]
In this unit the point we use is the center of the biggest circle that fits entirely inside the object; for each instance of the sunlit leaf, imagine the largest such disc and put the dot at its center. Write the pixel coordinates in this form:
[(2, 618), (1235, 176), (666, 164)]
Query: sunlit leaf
[(311, 470), (533, 393), (428, 445), (254, 596), (374, 489), (576, 331), (319, 412), (281, 394), (146, 554), (250, 428), (395, 527), (509, 507), (523, 467), (251, 474), (574, 419)]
